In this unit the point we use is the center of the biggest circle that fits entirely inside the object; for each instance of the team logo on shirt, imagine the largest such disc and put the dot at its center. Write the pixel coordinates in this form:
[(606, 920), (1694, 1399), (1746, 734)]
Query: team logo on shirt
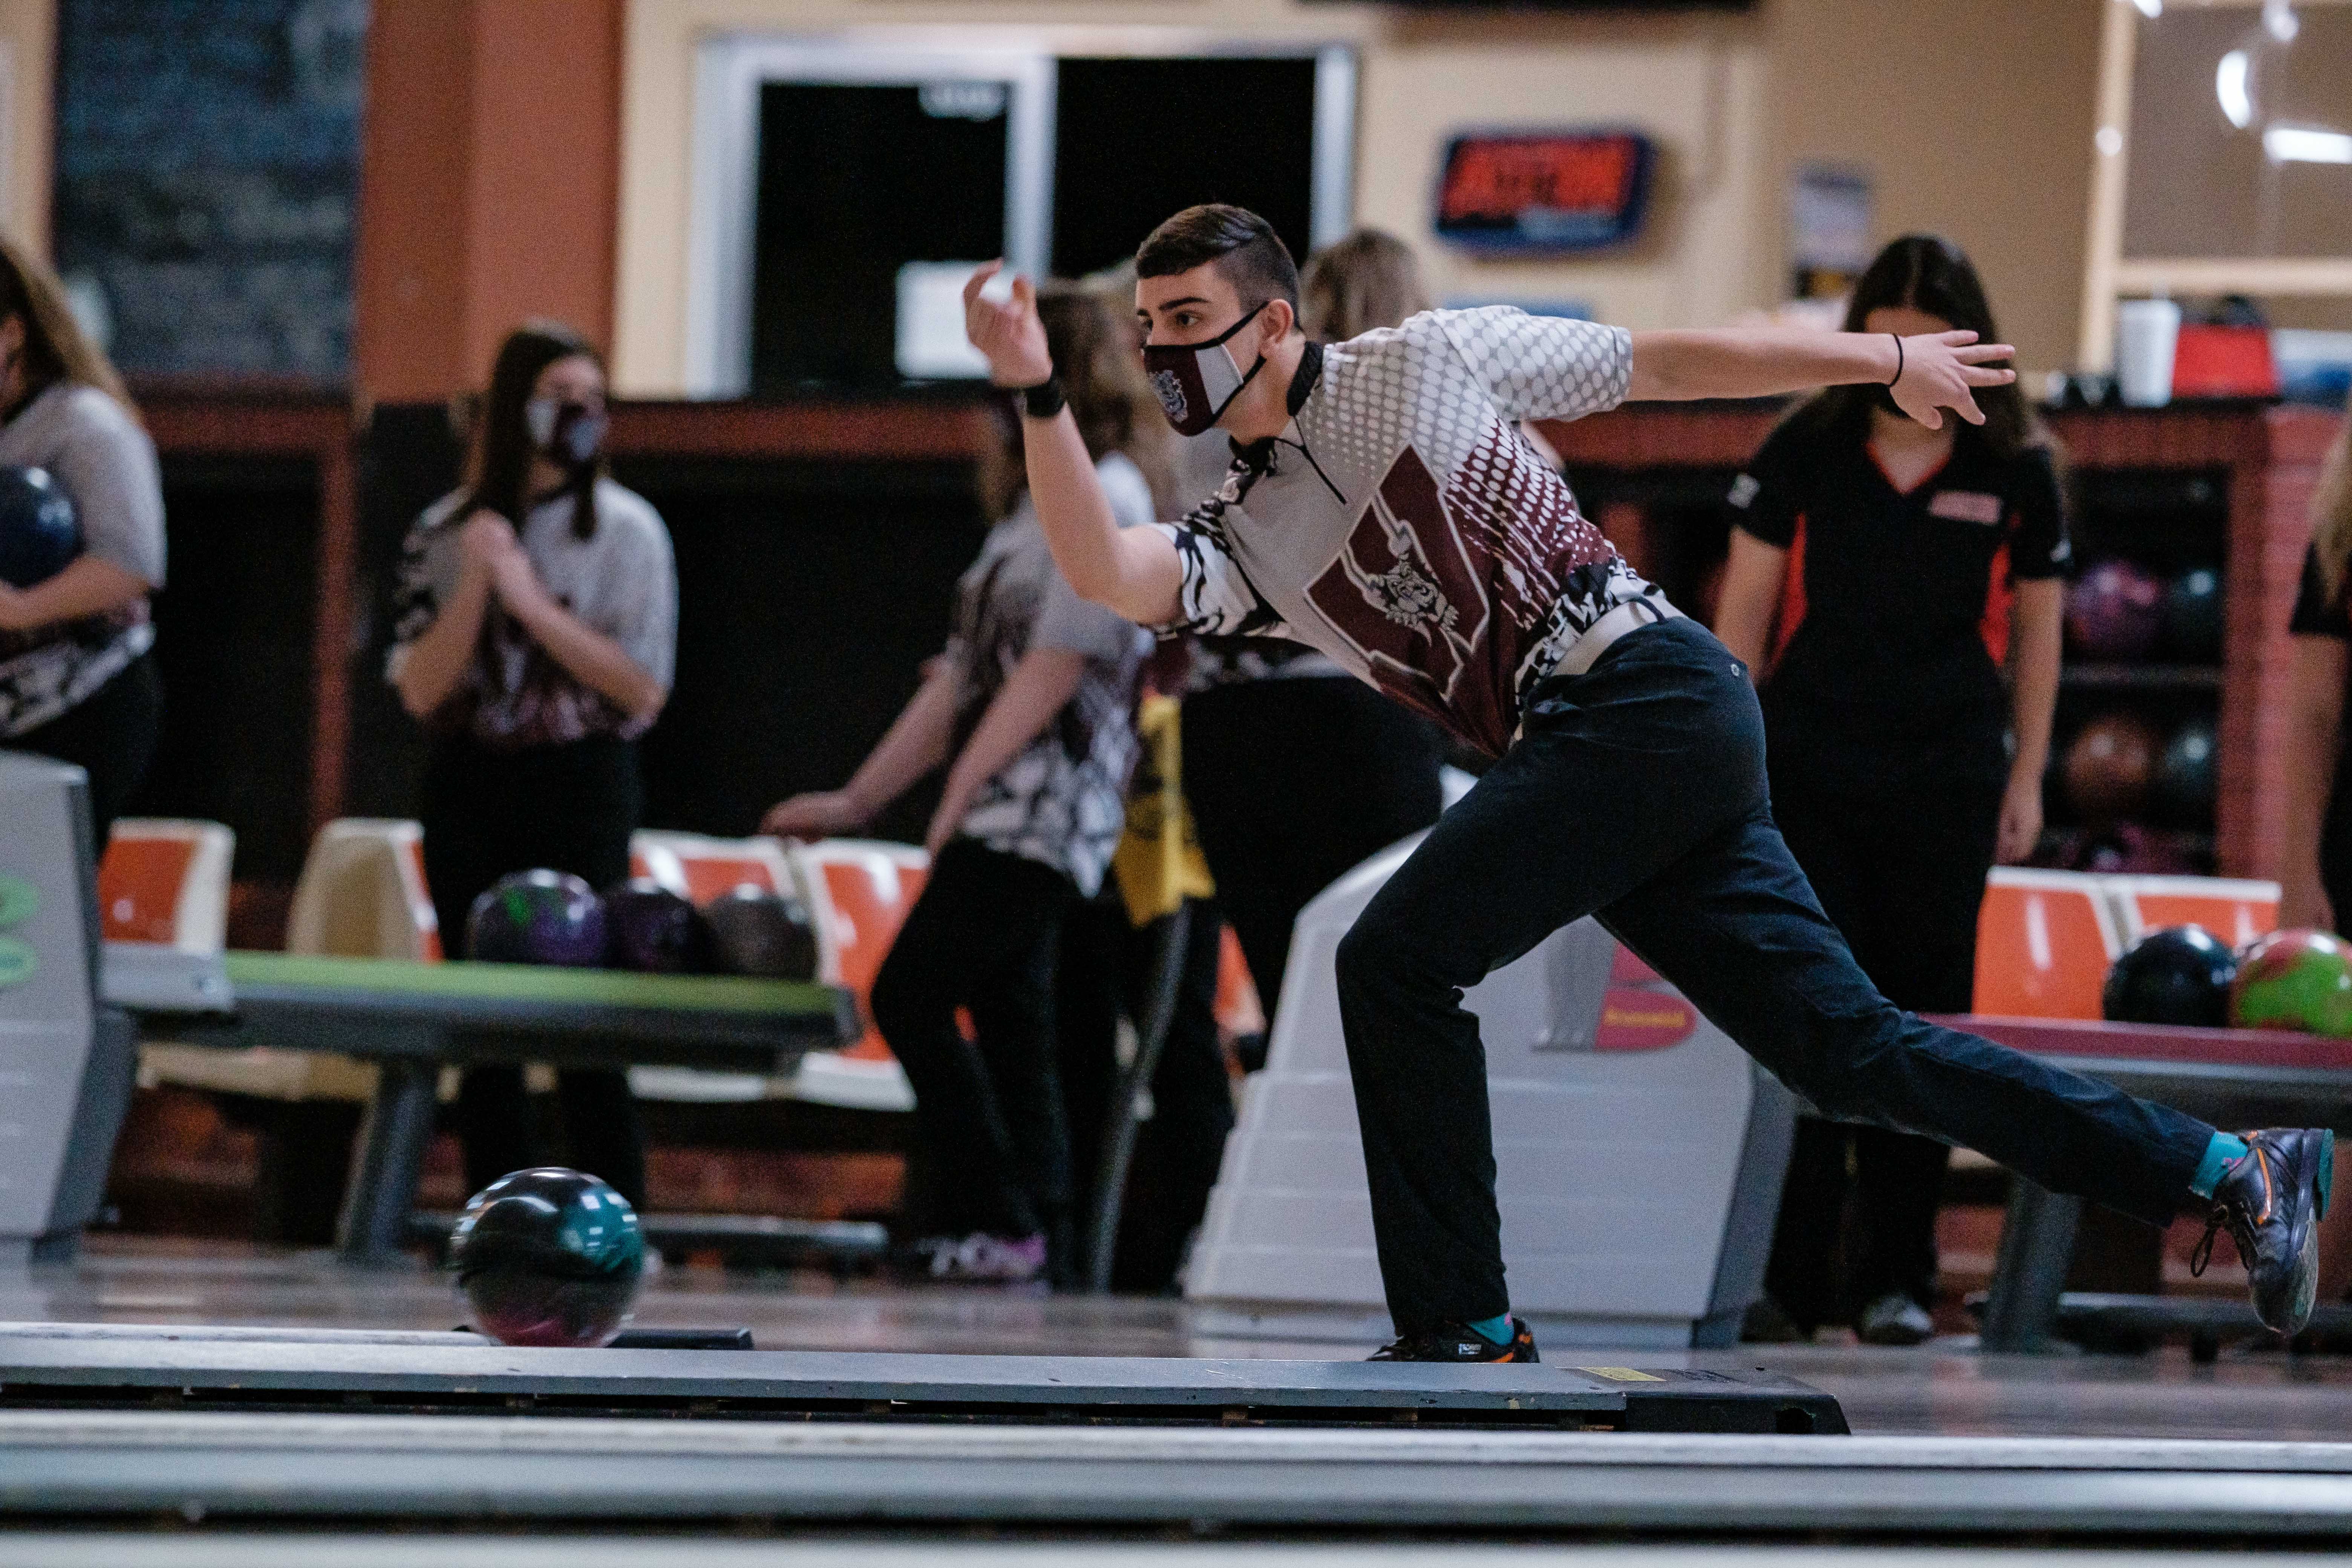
[(1409, 599), (1408, 590)]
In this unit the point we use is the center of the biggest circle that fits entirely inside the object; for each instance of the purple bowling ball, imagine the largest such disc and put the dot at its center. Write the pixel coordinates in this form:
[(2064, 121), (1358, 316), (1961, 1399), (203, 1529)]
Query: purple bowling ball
[(654, 931), (2115, 611), (537, 917)]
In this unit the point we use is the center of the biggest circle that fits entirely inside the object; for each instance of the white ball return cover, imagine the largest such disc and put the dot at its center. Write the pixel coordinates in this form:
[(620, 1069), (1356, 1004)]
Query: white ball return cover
[(1638, 1154)]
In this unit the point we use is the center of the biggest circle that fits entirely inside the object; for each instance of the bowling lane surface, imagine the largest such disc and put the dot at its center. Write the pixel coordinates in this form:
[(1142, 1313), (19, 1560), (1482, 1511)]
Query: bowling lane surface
[(1940, 1389)]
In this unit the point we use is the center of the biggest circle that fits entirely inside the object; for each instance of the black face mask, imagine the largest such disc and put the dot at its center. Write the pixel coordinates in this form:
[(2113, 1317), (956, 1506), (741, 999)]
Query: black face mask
[(1198, 382), (570, 433)]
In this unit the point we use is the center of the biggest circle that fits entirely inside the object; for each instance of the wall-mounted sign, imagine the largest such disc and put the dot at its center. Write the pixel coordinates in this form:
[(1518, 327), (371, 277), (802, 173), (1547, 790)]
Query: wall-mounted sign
[(1829, 230), (1535, 192)]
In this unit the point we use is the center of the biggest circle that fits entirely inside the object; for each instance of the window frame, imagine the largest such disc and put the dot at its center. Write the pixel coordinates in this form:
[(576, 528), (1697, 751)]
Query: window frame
[(2109, 274), (730, 68)]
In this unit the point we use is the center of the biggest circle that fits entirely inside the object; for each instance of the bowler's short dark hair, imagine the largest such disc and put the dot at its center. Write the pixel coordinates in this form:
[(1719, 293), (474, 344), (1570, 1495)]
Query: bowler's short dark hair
[(1243, 245)]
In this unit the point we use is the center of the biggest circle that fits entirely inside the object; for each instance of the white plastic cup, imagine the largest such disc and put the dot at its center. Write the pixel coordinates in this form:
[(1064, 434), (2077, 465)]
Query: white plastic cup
[(2146, 331)]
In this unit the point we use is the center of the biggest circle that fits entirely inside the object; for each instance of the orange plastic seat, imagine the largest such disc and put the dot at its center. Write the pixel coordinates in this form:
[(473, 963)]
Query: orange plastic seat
[(860, 891), (1239, 1008), (2045, 940), (702, 869), (420, 901), (2235, 910), (165, 880)]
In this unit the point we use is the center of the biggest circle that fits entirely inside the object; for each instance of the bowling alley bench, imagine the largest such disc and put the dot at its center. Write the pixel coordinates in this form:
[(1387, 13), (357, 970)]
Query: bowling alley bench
[(2232, 1078), (411, 1019)]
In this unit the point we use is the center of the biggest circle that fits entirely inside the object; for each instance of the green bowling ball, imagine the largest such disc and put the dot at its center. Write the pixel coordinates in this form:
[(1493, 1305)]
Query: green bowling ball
[(2294, 980)]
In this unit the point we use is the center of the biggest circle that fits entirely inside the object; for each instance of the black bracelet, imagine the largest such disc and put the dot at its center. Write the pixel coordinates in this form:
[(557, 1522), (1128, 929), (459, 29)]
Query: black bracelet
[(1898, 359), (1044, 400)]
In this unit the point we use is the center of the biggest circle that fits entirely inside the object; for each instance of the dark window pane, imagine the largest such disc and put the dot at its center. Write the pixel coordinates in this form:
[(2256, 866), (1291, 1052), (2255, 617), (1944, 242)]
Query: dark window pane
[(854, 182), (1136, 139)]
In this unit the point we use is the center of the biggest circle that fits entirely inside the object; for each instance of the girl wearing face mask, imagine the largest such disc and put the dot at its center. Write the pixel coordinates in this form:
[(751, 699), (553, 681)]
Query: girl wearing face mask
[(76, 680), (1896, 592), (535, 635)]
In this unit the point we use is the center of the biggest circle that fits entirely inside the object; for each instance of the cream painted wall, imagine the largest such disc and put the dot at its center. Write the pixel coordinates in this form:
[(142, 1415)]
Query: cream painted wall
[(1694, 86), (27, 50), (1693, 83), (1974, 117)]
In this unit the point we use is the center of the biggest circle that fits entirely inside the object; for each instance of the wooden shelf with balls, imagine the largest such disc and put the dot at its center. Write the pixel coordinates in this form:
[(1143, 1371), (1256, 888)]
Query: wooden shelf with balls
[(2136, 776)]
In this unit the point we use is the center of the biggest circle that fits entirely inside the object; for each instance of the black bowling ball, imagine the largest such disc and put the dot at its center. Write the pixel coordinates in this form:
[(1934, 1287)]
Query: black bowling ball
[(2179, 974), (653, 930), (755, 931), (549, 1257)]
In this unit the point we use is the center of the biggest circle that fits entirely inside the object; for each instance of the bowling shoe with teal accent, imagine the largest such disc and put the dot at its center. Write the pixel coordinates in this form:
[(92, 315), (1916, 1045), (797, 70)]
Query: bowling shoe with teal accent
[(1460, 1342), (2271, 1200)]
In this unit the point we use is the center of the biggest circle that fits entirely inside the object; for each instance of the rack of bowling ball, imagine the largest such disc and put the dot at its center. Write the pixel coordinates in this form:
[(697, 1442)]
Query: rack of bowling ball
[(2297, 979), (2135, 759), (546, 917)]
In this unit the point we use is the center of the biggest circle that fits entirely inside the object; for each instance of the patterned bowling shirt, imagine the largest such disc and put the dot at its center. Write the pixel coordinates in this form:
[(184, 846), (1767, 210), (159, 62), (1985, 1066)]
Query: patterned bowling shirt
[(1062, 800), (1400, 526), (621, 581)]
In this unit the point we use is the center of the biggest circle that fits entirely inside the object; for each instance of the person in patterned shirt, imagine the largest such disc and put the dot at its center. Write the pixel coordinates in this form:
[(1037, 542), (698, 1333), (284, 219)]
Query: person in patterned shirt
[(1385, 513), (534, 636), (1029, 710)]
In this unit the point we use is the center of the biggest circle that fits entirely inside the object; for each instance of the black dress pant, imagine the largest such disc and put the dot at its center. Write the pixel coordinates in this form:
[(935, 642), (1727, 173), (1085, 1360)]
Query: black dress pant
[(1292, 783), (989, 1124), (1109, 968), (1901, 875), (110, 735), (487, 813), (1637, 793)]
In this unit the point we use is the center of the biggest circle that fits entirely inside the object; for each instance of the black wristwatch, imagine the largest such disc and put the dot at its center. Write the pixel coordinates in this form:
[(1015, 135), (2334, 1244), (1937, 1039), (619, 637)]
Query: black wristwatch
[(1044, 400)]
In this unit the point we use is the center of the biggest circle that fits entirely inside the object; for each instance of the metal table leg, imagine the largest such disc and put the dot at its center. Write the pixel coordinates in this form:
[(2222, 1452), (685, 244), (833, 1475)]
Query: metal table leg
[(2037, 1248), (1119, 1134), (387, 1161)]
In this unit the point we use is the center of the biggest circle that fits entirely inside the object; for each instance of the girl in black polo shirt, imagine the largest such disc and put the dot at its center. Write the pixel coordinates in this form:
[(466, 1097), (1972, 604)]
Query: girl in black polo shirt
[(1897, 589), (2316, 852), (2316, 874)]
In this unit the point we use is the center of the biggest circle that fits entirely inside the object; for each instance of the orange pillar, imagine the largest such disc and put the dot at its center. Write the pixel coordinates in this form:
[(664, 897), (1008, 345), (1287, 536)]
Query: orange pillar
[(490, 181)]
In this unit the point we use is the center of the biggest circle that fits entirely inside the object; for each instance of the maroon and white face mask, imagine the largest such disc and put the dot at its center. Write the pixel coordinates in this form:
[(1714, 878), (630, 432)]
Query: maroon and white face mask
[(1197, 382)]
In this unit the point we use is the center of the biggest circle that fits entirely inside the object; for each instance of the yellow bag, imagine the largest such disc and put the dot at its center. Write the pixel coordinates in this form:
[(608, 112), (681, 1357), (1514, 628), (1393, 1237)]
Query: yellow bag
[(1158, 861)]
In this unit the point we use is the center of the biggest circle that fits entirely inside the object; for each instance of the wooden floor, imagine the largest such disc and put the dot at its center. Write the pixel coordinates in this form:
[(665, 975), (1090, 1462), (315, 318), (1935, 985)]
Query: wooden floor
[(1945, 1388)]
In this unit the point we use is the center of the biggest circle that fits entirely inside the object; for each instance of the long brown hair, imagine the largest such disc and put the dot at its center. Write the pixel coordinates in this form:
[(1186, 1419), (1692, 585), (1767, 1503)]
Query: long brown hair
[(1102, 377), (499, 473), (1369, 280), (1929, 273), (2331, 510), (55, 348)]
